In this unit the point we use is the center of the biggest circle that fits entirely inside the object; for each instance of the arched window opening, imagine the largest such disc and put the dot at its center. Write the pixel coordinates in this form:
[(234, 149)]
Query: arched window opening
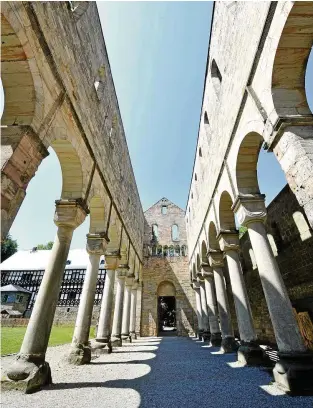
[(216, 77), (189, 209), (165, 250), (206, 119), (191, 198), (153, 250), (252, 257), (164, 209), (200, 152), (155, 232), (171, 250), (184, 250), (196, 178), (272, 244), (302, 225), (177, 250), (175, 232), (159, 250)]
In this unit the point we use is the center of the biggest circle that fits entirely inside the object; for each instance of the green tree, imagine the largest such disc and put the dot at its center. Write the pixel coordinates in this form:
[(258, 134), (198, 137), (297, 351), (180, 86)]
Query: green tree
[(49, 245), (8, 247), (242, 230)]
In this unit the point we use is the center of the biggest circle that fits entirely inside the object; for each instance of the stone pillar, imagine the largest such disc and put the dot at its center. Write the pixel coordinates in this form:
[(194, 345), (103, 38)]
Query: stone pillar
[(30, 368), (126, 309), (294, 371), (249, 352), (103, 338), (80, 349), (116, 338), (216, 337), (196, 288), (204, 309), (228, 341), (133, 306)]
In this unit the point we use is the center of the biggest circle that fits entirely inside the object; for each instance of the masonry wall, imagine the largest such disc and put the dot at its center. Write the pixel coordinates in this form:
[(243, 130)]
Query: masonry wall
[(295, 260), (157, 269)]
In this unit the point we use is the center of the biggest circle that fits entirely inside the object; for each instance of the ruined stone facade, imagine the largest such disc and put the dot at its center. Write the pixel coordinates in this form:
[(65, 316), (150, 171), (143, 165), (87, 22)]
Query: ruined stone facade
[(166, 262)]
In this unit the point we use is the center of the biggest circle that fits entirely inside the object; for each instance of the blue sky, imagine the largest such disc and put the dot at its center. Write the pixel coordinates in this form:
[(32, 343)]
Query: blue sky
[(157, 52)]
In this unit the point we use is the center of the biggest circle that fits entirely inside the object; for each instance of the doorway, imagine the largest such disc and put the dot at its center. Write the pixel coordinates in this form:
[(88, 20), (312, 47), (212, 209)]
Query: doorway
[(167, 316)]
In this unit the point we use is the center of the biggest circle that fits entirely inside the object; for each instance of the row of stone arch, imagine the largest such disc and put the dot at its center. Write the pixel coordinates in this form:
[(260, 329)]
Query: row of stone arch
[(166, 250)]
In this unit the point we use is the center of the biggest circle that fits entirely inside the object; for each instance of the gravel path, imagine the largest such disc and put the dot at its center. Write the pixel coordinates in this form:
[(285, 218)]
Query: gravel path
[(155, 372)]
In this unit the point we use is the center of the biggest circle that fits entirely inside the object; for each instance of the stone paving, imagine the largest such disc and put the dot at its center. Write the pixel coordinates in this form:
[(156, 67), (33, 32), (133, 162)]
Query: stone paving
[(155, 372)]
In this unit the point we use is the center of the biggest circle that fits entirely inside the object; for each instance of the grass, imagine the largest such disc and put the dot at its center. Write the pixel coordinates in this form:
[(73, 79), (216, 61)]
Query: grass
[(12, 337)]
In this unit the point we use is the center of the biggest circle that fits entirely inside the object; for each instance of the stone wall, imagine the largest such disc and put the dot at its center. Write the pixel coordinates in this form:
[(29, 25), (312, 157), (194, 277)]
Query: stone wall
[(294, 257), (174, 269)]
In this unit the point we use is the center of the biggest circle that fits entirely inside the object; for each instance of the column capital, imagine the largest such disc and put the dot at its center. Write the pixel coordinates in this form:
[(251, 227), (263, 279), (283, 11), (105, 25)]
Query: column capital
[(111, 259), (70, 213), (215, 258), (196, 285), (228, 240), (250, 208), (122, 271), (96, 243), (206, 270)]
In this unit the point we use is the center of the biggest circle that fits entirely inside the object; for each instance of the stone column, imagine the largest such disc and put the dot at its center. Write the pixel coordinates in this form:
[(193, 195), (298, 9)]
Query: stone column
[(30, 368), (228, 341), (295, 366), (204, 308), (103, 338), (80, 349), (196, 288), (116, 338), (216, 337), (249, 351), (126, 309), (133, 305)]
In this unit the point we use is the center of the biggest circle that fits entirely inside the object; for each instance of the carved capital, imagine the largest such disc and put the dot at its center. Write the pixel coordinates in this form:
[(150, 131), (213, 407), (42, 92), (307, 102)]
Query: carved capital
[(206, 270), (129, 281), (69, 213), (228, 240), (196, 285), (215, 258), (250, 208), (96, 243), (112, 259)]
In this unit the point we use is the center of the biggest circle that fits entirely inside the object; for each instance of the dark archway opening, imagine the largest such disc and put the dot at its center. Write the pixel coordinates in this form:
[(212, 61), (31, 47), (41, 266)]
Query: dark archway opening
[(167, 316)]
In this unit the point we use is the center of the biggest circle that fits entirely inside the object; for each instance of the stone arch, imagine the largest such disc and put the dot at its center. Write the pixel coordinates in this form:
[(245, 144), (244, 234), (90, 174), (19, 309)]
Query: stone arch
[(72, 174), (292, 54), (115, 231), (246, 165), (22, 85), (204, 252), (198, 262), (302, 225), (212, 234), (97, 215), (166, 288), (226, 215)]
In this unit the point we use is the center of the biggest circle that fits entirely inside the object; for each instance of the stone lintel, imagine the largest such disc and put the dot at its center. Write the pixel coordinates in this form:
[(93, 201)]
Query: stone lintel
[(250, 208), (215, 258), (228, 240), (70, 213)]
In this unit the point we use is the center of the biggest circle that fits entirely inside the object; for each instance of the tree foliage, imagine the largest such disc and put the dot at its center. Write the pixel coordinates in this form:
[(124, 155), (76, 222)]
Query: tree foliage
[(242, 230), (49, 245), (8, 247)]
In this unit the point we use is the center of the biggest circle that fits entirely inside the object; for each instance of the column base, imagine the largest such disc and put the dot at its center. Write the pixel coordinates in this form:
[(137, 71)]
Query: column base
[(293, 373), (251, 354), (200, 334), (216, 339), (126, 338), (229, 345), (28, 374), (104, 346), (133, 336), (80, 354), (206, 335), (116, 341)]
